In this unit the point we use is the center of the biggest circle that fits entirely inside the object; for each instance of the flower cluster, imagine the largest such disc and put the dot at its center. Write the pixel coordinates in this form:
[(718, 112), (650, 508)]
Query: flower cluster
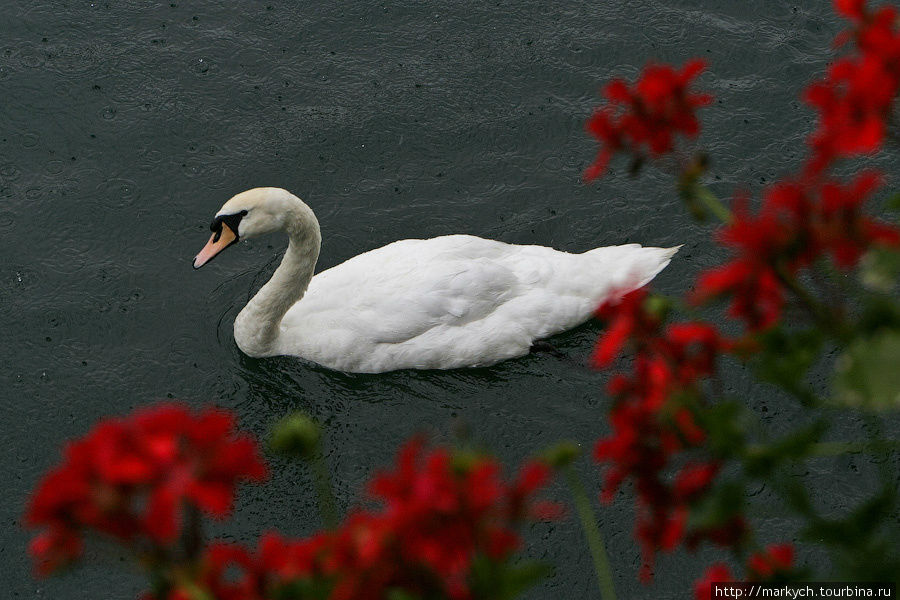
[(659, 408), (774, 562), (652, 418), (799, 222), (439, 513), (645, 118), (855, 99), (130, 478)]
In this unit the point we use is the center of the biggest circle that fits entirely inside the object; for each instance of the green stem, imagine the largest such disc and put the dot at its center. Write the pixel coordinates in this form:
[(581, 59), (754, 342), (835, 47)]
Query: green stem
[(192, 537), (712, 203), (592, 533), (322, 483), (826, 318)]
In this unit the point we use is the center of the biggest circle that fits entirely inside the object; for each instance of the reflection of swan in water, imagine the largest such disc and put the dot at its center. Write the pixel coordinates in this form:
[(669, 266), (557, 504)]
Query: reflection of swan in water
[(446, 302)]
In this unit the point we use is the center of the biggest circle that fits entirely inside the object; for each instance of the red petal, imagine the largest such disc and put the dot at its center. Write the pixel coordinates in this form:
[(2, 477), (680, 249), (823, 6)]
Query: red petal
[(162, 519)]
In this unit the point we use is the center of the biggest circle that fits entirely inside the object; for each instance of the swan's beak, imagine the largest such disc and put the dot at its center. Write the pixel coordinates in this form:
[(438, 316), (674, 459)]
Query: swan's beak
[(219, 240)]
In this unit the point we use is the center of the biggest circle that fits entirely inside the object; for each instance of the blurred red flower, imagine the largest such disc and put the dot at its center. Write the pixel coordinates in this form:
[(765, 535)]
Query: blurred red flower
[(775, 559), (800, 222), (130, 478), (439, 512), (717, 573), (644, 118), (855, 98), (648, 430)]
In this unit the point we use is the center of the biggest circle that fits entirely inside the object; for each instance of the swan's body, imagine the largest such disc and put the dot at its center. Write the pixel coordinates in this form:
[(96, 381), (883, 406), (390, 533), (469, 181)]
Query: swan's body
[(441, 303)]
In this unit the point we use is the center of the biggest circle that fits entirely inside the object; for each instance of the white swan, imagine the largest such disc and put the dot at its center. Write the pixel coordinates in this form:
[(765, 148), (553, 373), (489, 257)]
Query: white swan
[(446, 302)]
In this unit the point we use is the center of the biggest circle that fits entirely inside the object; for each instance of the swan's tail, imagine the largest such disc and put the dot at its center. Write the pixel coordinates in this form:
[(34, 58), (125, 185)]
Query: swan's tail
[(628, 267), (661, 257)]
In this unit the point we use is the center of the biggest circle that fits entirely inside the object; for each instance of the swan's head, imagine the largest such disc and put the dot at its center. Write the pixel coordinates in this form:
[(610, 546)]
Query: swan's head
[(251, 213)]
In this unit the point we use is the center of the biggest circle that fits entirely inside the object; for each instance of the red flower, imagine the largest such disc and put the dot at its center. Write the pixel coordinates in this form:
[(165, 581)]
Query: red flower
[(54, 548), (439, 512), (757, 296), (231, 572), (776, 559), (852, 9), (692, 348), (758, 241), (718, 573), (245, 575), (800, 221), (645, 118), (642, 447), (174, 594), (442, 515), (648, 429), (855, 99), (731, 532), (695, 478), (626, 318), (842, 229), (130, 477)]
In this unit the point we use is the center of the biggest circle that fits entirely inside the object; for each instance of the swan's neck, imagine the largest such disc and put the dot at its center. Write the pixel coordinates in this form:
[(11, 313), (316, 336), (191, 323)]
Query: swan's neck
[(256, 328)]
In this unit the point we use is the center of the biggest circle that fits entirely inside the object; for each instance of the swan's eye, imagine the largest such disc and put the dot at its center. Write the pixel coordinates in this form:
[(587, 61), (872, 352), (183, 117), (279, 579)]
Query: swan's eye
[(232, 221)]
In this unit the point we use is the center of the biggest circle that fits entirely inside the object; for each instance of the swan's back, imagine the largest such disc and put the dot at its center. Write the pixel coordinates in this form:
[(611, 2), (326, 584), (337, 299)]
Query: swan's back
[(454, 301)]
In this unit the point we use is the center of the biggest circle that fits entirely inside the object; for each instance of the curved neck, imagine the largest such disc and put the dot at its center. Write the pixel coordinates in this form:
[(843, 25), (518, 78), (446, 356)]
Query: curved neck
[(256, 327)]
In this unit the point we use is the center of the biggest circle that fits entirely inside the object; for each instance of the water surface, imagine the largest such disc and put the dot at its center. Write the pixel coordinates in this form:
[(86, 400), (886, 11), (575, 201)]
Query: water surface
[(126, 124)]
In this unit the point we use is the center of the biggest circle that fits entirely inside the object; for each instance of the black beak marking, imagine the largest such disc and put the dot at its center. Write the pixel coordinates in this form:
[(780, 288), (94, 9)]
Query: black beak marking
[(233, 221)]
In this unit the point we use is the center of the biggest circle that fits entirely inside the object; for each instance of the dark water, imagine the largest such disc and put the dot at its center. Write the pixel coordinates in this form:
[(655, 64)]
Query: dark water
[(126, 124)]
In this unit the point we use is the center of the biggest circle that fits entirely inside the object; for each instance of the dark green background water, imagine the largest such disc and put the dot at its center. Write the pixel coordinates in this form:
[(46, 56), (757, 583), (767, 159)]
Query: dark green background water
[(125, 125)]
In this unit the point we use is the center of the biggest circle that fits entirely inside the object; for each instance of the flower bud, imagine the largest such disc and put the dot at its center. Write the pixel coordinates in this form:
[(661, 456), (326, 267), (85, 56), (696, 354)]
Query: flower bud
[(296, 435), (560, 455), (658, 306)]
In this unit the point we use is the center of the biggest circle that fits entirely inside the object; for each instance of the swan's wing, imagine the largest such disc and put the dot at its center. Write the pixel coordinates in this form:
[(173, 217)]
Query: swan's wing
[(454, 301), (446, 295), (400, 291)]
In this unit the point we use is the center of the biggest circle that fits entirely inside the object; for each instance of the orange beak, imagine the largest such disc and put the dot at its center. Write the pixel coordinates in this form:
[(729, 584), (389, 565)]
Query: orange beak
[(219, 240)]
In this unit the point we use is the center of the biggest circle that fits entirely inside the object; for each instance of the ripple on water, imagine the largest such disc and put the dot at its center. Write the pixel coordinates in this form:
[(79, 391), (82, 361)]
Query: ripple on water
[(29, 56), (19, 281), (200, 67), (29, 140), (10, 172), (54, 166), (7, 220), (117, 192)]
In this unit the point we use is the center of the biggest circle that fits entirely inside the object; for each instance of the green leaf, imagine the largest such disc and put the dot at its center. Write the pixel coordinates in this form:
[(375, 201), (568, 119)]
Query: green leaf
[(196, 593), (718, 505), (400, 594), (863, 543), (492, 580), (761, 460), (867, 374), (786, 358), (316, 588), (724, 423), (893, 203), (523, 576), (879, 269), (881, 312), (561, 454)]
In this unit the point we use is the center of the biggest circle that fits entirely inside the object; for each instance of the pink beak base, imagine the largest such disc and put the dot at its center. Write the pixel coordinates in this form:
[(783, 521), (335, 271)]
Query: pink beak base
[(217, 242)]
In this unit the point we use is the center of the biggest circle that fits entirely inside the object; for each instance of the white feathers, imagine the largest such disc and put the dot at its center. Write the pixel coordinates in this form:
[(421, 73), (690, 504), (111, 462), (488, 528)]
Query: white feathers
[(441, 303)]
